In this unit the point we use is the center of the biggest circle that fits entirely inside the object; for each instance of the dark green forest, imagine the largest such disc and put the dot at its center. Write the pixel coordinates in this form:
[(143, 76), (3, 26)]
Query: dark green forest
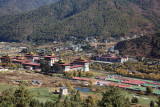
[(10, 7), (148, 45), (81, 19)]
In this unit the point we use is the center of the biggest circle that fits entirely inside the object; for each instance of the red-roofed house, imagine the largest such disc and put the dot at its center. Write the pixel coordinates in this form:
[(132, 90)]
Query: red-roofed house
[(33, 65), (4, 68), (32, 57), (29, 67), (112, 58), (52, 59), (82, 65)]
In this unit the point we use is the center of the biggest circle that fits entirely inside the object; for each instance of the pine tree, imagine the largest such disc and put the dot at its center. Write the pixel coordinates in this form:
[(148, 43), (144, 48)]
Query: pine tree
[(68, 84), (91, 82), (113, 97), (22, 97), (149, 90), (90, 102), (158, 101), (152, 104)]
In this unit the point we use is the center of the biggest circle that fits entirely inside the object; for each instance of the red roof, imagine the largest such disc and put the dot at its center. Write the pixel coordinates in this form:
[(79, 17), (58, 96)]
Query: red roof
[(66, 64), (31, 55), (131, 81), (22, 61), (38, 69), (2, 57), (18, 61), (21, 58), (124, 85), (4, 64), (134, 82), (154, 83), (76, 66), (13, 58), (114, 84), (102, 77), (32, 64), (54, 56)]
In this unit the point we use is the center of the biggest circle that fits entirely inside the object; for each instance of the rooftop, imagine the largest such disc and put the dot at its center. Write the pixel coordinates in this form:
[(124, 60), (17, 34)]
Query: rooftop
[(32, 64), (31, 55), (76, 66), (54, 56)]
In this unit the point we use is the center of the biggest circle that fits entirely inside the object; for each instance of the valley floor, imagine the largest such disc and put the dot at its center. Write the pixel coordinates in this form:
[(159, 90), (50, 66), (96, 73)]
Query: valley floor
[(45, 91)]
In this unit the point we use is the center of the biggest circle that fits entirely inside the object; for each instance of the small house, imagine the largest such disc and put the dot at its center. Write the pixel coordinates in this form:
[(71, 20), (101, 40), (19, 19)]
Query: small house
[(63, 90)]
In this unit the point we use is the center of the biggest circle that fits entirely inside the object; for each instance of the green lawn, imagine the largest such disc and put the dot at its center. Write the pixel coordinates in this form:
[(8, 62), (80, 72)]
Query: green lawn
[(41, 94), (143, 99), (46, 94), (6, 87)]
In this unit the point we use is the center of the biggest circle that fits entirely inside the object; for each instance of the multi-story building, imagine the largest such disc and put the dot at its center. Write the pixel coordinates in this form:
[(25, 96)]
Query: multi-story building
[(51, 59), (76, 65), (112, 58)]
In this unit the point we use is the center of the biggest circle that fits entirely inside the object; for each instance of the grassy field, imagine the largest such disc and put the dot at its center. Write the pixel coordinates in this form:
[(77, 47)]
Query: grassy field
[(144, 100), (46, 94), (41, 94)]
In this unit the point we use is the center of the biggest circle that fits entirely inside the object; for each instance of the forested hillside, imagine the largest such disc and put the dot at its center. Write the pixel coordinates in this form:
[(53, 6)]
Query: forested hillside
[(8, 7), (144, 46), (82, 18)]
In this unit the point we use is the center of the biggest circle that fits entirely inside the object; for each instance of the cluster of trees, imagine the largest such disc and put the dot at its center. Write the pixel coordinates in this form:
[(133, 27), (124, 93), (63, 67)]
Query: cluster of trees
[(156, 45), (45, 67), (78, 74), (149, 90), (19, 98), (112, 97), (140, 70), (144, 46), (103, 67), (151, 76)]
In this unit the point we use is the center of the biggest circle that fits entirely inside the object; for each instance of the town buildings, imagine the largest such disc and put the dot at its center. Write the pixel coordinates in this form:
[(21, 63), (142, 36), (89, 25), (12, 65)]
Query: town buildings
[(78, 64), (112, 58), (32, 62)]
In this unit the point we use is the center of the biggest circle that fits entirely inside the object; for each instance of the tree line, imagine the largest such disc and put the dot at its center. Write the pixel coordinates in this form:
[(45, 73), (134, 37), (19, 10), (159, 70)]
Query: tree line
[(22, 97)]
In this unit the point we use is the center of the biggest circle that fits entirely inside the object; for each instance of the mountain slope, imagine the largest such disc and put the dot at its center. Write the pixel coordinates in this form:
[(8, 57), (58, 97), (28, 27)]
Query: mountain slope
[(82, 18), (144, 46), (8, 7)]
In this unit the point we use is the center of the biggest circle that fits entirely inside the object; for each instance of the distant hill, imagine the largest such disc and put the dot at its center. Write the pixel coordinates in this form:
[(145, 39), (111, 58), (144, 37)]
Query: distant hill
[(144, 46), (8, 7), (101, 19)]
